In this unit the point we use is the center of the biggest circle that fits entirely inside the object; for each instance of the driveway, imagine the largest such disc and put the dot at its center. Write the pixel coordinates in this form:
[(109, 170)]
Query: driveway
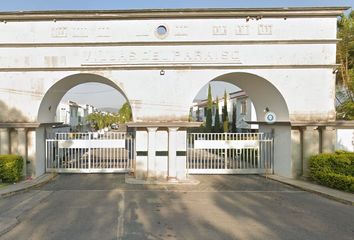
[(221, 207)]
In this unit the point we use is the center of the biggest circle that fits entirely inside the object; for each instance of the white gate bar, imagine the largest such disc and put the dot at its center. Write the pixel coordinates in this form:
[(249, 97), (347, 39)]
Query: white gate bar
[(227, 171)]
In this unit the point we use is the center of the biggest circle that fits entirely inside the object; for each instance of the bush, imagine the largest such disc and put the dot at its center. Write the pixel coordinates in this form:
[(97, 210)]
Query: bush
[(335, 170), (11, 168)]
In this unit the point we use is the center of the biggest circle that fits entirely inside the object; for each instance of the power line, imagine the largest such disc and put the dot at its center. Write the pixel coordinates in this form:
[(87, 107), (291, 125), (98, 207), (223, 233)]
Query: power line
[(92, 92)]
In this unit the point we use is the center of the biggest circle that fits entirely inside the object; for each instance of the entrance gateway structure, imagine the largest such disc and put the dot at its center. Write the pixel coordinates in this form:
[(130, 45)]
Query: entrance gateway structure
[(283, 58)]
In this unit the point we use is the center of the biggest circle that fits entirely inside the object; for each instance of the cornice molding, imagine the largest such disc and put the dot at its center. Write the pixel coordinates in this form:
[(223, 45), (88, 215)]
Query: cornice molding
[(172, 13), (168, 43)]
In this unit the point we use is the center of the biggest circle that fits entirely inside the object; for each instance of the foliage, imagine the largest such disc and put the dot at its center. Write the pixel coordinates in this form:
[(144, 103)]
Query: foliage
[(11, 168), (98, 120), (225, 117), (234, 118), (190, 116), (345, 76), (101, 120), (125, 113), (334, 170), (208, 123), (345, 111), (217, 126), (198, 114)]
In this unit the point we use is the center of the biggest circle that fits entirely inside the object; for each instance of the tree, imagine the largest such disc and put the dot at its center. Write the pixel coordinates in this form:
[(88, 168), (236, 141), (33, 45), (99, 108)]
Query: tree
[(96, 120), (101, 120), (190, 116), (234, 118), (198, 114), (125, 113), (345, 76), (225, 117), (345, 111), (208, 124), (217, 126)]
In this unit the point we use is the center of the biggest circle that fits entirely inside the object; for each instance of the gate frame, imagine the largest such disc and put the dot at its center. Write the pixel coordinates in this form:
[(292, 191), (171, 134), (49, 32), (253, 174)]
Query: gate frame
[(263, 139), (64, 137)]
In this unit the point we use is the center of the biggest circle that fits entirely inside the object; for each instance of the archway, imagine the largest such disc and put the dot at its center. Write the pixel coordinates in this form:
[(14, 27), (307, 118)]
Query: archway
[(264, 95), (51, 99), (79, 152), (264, 155)]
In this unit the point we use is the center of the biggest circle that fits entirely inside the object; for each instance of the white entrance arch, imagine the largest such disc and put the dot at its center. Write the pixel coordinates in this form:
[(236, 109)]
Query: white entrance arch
[(262, 92), (266, 97)]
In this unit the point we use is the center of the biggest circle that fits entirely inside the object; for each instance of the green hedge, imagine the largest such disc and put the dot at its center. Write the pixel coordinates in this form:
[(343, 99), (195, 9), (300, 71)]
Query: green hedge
[(11, 168), (335, 170)]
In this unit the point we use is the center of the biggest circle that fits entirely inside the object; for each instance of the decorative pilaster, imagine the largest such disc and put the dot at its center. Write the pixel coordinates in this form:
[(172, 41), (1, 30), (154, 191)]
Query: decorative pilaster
[(311, 146), (4, 141), (151, 151), (21, 147), (31, 153), (172, 150)]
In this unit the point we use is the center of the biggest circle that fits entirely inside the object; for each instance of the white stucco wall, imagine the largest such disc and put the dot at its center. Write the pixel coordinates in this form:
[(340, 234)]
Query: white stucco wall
[(295, 58), (283, 59), (345, 140)]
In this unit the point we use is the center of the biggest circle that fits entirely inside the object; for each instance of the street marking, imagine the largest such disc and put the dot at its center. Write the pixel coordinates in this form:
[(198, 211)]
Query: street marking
[(120, 224)]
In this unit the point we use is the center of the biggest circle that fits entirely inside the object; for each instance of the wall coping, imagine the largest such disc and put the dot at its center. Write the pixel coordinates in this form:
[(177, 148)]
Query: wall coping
[(172, 13), (164, 124)]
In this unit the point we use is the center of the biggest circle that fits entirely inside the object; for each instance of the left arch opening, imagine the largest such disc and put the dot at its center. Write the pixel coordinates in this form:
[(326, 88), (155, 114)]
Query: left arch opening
[(48, 107)]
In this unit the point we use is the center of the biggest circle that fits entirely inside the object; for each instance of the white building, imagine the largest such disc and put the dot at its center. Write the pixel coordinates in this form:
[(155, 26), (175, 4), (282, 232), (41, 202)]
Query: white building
[(74, 115), (245, 111)]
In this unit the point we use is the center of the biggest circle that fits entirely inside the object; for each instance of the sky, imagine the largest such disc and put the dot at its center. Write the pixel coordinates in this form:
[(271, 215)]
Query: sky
[(106, 96)]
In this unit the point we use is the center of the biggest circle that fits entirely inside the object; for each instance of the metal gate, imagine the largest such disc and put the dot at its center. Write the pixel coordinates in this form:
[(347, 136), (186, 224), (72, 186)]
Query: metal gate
[(90, 152), (229, 153)]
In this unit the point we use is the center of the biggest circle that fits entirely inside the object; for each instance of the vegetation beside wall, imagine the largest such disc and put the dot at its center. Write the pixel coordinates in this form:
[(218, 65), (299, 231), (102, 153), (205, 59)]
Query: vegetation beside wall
[(11, 168), (345, 75), (335, 170)]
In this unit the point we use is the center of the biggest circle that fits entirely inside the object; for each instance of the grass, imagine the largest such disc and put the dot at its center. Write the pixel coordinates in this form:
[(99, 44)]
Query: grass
[(3, 185)]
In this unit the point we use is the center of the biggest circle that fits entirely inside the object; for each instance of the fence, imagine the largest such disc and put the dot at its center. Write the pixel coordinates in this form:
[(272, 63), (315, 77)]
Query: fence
[(90, 152), (229, 153)]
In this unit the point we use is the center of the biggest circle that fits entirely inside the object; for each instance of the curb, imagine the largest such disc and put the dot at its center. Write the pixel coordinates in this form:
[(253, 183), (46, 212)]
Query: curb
[(321, 193), (40, 182), (10, 224)]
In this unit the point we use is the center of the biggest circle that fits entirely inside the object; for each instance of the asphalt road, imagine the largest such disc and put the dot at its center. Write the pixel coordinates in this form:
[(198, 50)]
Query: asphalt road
[(220, 207)]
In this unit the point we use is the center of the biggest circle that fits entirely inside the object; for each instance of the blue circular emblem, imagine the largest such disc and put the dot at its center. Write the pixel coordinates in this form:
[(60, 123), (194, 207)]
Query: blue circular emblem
[(270, 117)]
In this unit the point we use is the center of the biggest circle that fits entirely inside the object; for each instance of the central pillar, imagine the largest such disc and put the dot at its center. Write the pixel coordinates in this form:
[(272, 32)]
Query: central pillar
[(161, 151)]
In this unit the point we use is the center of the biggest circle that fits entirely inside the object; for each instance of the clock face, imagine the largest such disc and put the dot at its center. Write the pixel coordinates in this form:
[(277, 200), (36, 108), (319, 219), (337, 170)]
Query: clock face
[(270, 117)]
